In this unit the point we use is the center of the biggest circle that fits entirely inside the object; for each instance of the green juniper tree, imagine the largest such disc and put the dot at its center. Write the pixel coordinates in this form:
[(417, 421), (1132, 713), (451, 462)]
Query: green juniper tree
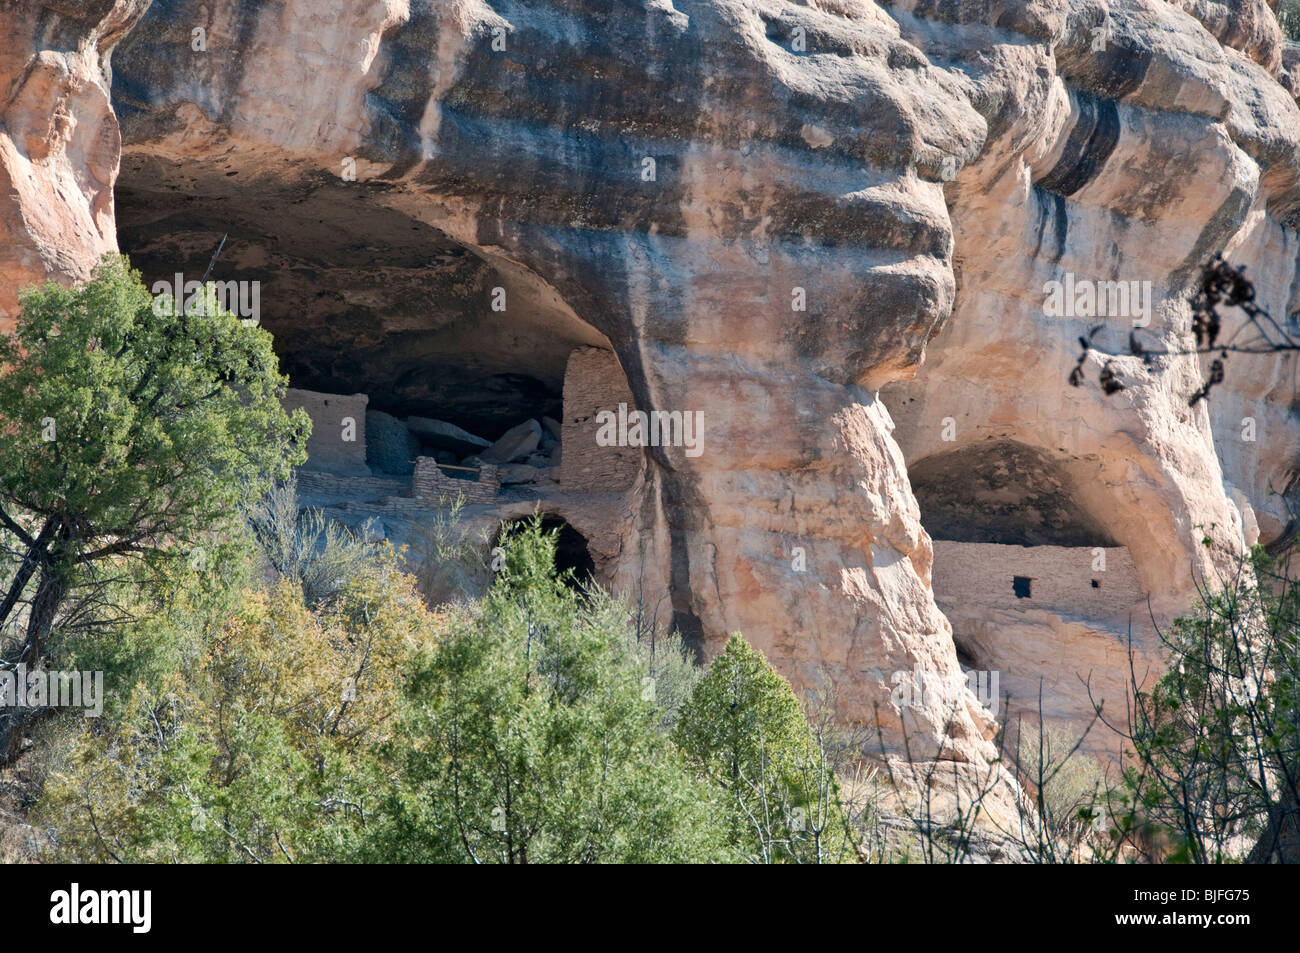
[(130, 431), (744, 730), (530, 735)]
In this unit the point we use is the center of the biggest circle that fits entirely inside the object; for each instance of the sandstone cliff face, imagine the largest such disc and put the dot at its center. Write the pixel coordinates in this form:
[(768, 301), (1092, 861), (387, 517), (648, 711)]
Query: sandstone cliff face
[(60, 146), (1133, 163), (826, 225)]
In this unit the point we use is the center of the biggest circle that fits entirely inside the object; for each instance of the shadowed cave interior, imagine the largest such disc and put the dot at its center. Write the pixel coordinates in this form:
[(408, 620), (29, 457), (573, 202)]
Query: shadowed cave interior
[(1003, 492), (572, 556), (360, 296)]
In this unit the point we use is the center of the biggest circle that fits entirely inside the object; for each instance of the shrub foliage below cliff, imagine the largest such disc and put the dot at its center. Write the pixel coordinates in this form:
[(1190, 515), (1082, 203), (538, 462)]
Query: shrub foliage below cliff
[(522, 727)]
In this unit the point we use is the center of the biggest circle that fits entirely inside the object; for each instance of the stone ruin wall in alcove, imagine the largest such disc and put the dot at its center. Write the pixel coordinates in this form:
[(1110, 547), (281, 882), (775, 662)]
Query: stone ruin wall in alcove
[(332, 417), (594, 382), (1062, 577)]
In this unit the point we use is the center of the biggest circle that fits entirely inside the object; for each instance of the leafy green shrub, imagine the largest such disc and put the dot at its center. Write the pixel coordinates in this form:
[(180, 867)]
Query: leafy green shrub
[(527, 737), (744, 731), (261, 749)]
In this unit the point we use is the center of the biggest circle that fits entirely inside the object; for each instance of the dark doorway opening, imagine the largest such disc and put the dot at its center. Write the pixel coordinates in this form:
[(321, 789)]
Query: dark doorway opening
[(572, 557)]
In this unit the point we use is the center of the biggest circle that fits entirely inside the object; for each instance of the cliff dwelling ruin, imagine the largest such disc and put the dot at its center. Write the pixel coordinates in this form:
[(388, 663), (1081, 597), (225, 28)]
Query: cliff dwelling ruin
[(429, 371), (361, 456), (432, 370), (1029, 573)]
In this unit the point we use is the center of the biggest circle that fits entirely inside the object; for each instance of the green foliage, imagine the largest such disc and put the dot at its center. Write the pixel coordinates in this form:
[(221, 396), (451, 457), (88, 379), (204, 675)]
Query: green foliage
[(527, 736), (130, 432), (365, 726), (162, 423), (744, 730), (531, 725), (1288, 16), (1217, 740), (668, 670), (260, 750), (166, 617)]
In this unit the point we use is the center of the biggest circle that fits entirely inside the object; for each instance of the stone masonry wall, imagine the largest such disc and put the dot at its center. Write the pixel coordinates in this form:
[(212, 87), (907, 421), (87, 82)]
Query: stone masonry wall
[(594, 381), (1061, 578), (327, 448), (431, 483), (320, 486)]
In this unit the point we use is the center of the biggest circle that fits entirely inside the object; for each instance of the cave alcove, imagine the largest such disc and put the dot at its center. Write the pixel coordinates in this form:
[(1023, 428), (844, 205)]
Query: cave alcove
[(1005, 492), (361, 296)]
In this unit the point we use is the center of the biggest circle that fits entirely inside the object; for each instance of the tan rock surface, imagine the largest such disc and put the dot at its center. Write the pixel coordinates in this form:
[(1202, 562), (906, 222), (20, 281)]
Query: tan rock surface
[(59, 141)]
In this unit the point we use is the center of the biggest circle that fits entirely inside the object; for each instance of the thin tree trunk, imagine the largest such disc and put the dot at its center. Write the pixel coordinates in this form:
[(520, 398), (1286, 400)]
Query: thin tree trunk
[(1280, 842), (45, 606), (35, 556), (50, 590)]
